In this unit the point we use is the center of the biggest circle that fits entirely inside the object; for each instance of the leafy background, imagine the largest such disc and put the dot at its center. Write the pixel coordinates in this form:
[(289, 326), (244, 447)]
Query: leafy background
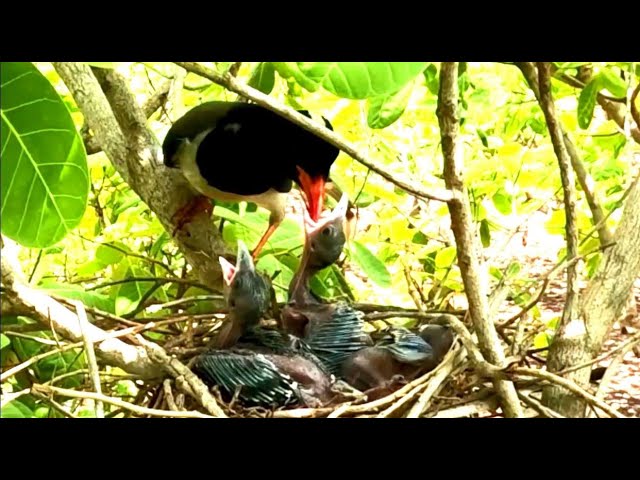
[(82, 230)]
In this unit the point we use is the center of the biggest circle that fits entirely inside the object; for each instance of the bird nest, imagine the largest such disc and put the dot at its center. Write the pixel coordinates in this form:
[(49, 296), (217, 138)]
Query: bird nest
[(447, 386)]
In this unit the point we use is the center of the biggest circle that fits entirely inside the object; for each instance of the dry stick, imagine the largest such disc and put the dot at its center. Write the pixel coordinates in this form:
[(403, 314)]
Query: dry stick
[(94, 372), (44, 389), (57, 406), (537, 406), (569, 385), (473, 276), (177, 369), (231, 83), (10, 397), (168, 394), (443, 371), (85, 371), (477, 407)]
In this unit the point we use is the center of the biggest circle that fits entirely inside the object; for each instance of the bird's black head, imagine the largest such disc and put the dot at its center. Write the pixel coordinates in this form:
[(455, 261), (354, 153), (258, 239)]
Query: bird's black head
[(247, 292), (313, 165), (326, 238), (170, 147)]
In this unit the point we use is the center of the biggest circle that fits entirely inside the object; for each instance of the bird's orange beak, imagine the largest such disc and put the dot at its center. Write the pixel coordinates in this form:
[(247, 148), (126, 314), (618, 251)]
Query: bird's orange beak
[(313, 188)]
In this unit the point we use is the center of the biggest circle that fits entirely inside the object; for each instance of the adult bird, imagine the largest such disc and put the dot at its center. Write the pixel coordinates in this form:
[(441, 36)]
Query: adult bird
[(234, 151)]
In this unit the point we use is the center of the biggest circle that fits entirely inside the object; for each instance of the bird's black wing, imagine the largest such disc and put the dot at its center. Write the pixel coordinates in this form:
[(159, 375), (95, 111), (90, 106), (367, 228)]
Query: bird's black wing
[(334, 340), (258, 379)]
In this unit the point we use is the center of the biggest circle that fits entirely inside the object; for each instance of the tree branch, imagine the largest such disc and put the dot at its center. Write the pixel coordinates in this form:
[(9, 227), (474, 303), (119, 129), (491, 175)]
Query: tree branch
[(120, 127), (47, 311), (232, 84), (467, 249), (530, 74)]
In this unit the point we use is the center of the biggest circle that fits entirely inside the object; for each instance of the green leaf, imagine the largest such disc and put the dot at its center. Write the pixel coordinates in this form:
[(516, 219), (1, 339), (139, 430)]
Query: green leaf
[(45, 180), (502, 202), (102, 64), (353, 80), (386, 109), (16, 409), (75, 292), (587, 102), (4, 341), (485, 233), (263, 78), (445, 257), (431, 78), (371, 265), (613, 83)]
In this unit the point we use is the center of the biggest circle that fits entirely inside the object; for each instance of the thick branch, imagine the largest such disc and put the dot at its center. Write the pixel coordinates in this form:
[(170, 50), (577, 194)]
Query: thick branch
[(134, 151), (467, 249), (231, 83), (150, 106)]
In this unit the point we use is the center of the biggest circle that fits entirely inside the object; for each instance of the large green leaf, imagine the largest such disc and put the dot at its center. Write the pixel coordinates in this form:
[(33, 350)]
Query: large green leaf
[(45, 181), (371, 265), (386, 109), (354, 80), (263, 78), (4, 341), (612, 82), (16, 409)]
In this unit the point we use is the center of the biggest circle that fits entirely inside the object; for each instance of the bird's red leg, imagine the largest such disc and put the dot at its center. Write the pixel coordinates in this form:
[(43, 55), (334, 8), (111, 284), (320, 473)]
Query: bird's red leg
[(272, 228), (185, 214)]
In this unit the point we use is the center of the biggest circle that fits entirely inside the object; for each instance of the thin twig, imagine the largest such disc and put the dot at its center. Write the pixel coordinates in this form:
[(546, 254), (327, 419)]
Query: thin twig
[(45, 389), (151, 279), (168, 395), (56, 406), (231, 83), (94, 372), (613, 367), (10, 397), (538, 406), (625, 346), (569, 385)]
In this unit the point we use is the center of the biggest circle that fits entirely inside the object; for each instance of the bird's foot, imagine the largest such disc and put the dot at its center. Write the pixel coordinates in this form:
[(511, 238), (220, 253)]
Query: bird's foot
[(186, 214)]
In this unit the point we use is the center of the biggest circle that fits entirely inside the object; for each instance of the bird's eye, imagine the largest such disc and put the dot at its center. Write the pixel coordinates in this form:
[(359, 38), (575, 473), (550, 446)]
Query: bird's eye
[(327, 231), (232, 303)]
